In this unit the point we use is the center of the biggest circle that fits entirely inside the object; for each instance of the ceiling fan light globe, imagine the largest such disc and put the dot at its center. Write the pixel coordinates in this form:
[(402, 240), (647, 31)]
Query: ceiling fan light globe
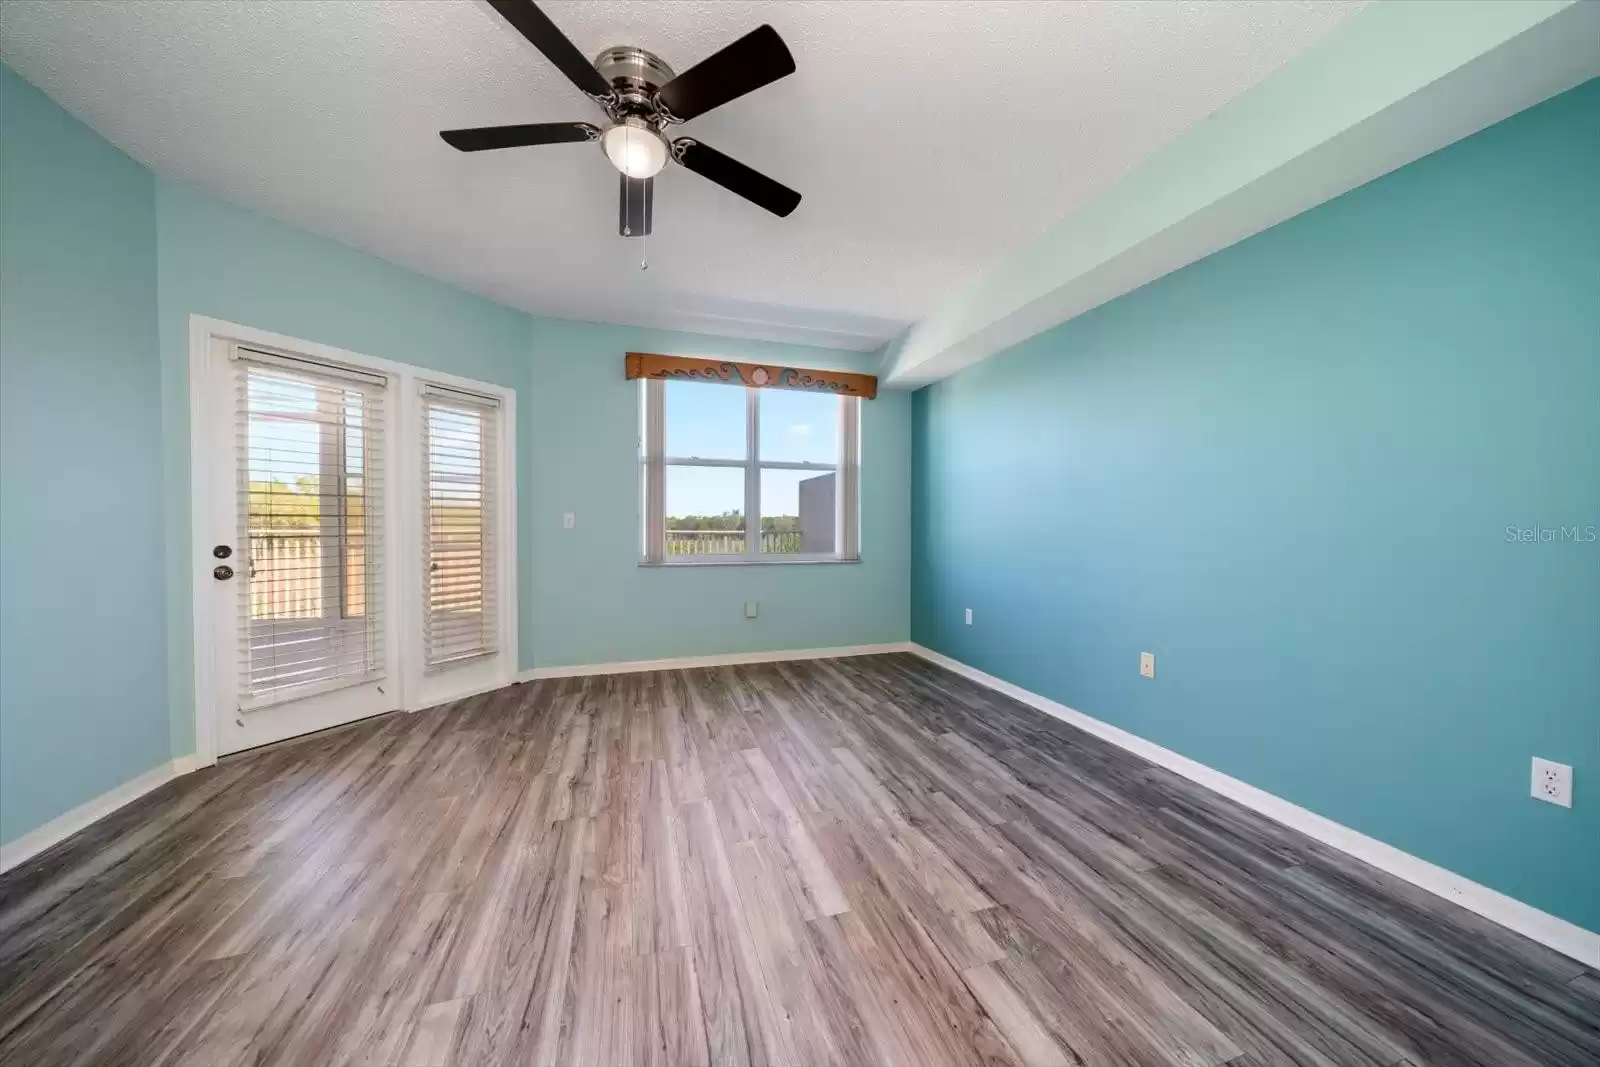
[(634, 150)]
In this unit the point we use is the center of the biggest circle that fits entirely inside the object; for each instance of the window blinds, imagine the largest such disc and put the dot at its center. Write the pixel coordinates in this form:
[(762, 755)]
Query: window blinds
[(459, 443), (310, 446)]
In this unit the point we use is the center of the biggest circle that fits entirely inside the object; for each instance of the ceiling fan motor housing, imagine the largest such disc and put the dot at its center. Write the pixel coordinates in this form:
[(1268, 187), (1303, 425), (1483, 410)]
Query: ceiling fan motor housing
[(634, 74)]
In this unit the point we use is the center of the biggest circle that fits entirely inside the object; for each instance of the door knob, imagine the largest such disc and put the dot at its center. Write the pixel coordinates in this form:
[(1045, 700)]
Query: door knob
[(222, 573), (222, 551)]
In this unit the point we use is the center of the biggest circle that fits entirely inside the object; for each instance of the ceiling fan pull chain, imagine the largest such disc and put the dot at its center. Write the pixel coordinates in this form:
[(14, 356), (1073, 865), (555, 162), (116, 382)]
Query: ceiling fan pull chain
[(644, 252)]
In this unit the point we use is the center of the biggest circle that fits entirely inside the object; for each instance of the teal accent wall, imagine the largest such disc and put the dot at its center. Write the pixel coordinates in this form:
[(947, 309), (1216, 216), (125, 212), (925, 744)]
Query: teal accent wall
[(590, 601), (1289, 471), (83, 688)]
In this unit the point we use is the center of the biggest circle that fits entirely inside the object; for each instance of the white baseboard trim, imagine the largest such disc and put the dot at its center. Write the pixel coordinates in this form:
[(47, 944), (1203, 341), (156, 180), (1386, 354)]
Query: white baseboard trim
[(726, 660), (1557, 933), (464, 694), (68, 823)]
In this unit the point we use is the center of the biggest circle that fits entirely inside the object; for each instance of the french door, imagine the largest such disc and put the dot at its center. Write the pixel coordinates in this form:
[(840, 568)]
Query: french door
[(303, 636), (355, 519)]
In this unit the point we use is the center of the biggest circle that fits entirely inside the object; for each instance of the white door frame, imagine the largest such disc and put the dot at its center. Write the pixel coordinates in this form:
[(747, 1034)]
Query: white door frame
[(403, 555)]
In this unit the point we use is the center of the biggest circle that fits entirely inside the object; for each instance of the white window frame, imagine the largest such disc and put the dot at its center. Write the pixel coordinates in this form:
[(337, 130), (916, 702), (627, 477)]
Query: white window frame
[(654, 463), (433, 387), (402, 567)]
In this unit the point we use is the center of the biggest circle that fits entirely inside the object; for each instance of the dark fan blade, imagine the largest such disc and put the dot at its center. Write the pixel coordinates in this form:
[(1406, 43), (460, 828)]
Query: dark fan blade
[(635, 206), (735, 176), (533, 24), (486, 137), (756, 59)]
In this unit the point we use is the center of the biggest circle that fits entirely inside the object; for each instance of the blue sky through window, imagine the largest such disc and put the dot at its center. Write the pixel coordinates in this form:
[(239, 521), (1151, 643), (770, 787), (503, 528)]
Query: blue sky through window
[(704, 421), (284, 436), (708, 422), (799, 427)]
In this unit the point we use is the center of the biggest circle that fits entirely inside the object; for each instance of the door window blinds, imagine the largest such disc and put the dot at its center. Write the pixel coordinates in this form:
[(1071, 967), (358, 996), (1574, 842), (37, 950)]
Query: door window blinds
[(459, 443), (310, 442)]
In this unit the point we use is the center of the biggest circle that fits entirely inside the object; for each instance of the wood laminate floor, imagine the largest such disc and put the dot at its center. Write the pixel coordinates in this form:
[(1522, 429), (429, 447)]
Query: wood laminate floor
[(857, 861)]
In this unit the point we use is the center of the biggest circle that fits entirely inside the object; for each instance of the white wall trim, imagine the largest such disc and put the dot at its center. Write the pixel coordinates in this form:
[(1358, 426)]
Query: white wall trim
[(726, 660), (201, 636), (464, 692), (68, 823), (1557, 933)]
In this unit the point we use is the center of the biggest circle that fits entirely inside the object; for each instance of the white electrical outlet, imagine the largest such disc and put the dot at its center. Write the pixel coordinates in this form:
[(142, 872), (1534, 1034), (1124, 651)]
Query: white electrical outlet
[(969, 616), (1147, 664), (569, 520), (1552, 782)]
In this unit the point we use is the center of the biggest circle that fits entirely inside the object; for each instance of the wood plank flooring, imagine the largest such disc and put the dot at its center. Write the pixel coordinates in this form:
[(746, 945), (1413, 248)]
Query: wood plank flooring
[(836, 862)]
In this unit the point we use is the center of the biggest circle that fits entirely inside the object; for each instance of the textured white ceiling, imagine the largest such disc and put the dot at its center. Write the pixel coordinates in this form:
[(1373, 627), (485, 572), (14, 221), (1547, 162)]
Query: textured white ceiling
[(929, 139)]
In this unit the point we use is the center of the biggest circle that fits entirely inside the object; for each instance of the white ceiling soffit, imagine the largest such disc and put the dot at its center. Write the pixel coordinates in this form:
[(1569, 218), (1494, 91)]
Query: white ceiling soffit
[(1399, 80), (929, 140)]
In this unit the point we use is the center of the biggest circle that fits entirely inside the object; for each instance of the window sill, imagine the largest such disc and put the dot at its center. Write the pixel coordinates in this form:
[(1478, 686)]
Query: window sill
[(741, 562)]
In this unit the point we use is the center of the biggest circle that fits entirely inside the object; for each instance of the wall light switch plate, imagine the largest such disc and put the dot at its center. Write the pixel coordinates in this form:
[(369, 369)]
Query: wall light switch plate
[(751, 608), (1147, 664), (569, 520), (1552, 782), (969, 616)]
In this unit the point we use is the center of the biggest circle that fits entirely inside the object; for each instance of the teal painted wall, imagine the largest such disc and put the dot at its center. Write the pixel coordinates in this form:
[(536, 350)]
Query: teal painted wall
[(589, 599), (83, 703), (1288, 470)]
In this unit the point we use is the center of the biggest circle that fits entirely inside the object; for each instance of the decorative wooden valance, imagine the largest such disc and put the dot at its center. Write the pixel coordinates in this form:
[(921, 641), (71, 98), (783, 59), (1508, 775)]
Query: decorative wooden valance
[(757, 375)]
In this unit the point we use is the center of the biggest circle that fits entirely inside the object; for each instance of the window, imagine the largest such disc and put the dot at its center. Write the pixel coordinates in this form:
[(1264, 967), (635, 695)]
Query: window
[(460, 610), (310, 462), (748, 475)]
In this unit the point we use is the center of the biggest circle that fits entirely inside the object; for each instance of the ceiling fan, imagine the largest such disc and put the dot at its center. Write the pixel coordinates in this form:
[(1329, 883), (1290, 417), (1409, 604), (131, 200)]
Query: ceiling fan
[(643, 99)]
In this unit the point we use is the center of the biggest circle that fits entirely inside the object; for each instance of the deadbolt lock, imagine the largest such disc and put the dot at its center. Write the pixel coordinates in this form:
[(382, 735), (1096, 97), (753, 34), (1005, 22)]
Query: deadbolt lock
[(222, 573)]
